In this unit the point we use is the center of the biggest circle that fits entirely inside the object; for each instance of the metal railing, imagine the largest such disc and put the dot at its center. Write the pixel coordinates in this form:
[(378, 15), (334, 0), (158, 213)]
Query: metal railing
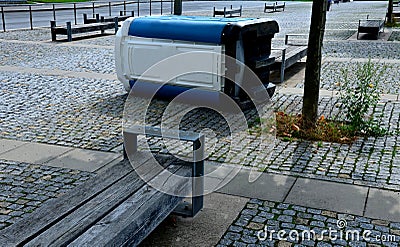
[(39, 15)]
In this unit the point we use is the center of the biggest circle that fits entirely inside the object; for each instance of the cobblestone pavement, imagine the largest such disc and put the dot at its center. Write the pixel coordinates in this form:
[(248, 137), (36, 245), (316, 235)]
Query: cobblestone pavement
[(363, 49), (75, 112), (87, 113), (39, 34), (291, 225), (331, 75), (395, 36), (70, 58), (24, 187)]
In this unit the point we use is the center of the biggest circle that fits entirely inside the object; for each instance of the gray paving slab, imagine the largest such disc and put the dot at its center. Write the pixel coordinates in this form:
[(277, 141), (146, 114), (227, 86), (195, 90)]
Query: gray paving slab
[(7, 145), (34, 153), (84, 160), (337, 197), (266, 187), (383, 204), (205, 229)]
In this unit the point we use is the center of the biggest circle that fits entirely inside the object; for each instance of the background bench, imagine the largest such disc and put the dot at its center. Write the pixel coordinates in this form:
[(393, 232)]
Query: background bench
[(274, 7), (97, 18), (288, 56), (114, 208), (370, 26), (229, 12), (69, 29)]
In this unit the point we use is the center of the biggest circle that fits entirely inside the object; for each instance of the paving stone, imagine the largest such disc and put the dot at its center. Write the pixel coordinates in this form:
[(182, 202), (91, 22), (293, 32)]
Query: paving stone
[(7, 145), (84, 160), (383, 205), (285, 218), (380, 222), (34, 153), (331, 196), (255, 226), (276, 186)]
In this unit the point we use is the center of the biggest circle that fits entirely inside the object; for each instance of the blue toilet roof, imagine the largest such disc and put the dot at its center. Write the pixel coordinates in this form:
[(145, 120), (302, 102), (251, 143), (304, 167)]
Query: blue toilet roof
[(188, 28)]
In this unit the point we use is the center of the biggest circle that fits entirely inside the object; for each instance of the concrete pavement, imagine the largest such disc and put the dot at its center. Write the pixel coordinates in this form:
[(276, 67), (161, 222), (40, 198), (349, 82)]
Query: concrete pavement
[(232, 180)]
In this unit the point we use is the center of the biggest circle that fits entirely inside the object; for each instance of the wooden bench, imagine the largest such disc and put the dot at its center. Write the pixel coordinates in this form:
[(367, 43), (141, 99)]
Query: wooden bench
[(115, 208), (97, 18), (69, 29), (288, 56), (274, 7), (371, 26), (228, 12)]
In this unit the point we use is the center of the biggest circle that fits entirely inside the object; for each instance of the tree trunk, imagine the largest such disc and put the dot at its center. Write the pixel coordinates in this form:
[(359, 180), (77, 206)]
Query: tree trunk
[(390, 13), (313, 64)]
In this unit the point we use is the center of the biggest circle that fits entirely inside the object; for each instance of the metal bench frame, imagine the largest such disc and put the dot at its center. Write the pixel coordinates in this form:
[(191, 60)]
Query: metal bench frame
[(287, 59), (131, 147), (274, 7), (231, 12), (370, 28), (97, 18), (69, 29)]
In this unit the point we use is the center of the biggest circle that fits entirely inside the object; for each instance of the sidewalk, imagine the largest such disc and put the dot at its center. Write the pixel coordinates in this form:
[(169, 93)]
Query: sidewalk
[(325, 196)]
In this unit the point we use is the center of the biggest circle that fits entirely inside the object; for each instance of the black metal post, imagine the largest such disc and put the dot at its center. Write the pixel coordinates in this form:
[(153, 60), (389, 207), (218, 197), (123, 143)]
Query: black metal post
[(53, 32), (177, 7), (3, 19), (124, 7), (198, 175), (161, 7), (93, 9), (54, 12), (30, 17), (138, 8), (116, 24), (150, 7), (75, 13), (109, 8), (69, 31)]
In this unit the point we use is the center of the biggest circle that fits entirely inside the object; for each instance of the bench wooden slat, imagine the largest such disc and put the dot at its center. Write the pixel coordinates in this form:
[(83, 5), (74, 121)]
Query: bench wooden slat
[(288, 57), (292, 56), (134, 219), (58, 208), (165, 133), (85, 28), (73, 225)]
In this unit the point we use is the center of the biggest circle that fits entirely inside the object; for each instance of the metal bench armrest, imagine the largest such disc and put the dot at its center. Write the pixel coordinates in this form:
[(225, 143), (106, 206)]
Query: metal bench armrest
[(130, 144)]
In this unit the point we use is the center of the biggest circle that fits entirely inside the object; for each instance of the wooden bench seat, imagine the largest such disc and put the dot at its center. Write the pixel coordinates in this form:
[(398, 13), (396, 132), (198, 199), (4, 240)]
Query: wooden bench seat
[(274, 7), (228, 12), (370, 26), (288, 56), (115, 208), (97, 18), (69, 29)]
